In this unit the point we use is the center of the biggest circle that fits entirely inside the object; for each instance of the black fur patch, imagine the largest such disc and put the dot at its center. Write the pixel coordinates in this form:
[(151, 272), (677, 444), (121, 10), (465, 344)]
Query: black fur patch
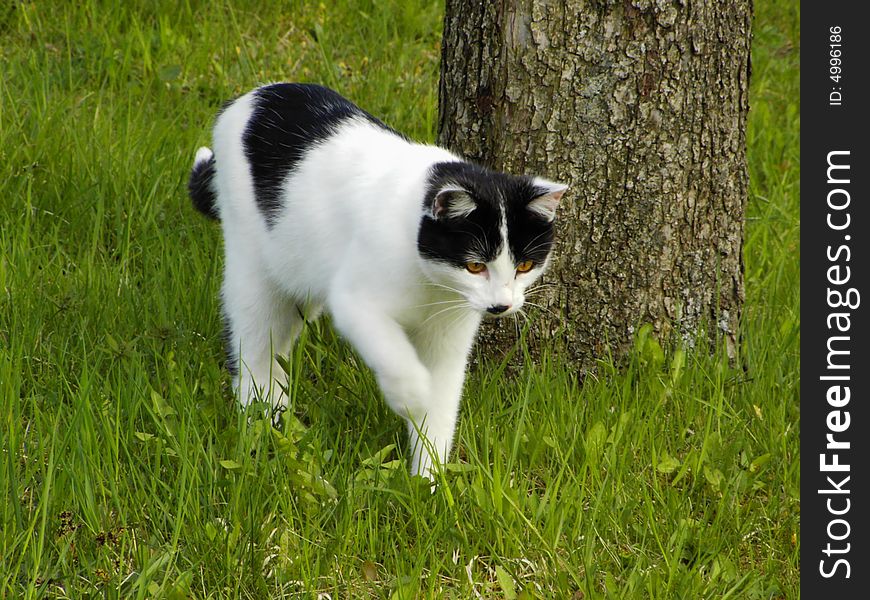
[(200, 190), (477, 237), (288, 119), (232, 362)]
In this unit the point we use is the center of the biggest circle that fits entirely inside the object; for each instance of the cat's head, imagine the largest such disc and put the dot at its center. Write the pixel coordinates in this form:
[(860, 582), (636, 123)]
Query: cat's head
[(485, 234)]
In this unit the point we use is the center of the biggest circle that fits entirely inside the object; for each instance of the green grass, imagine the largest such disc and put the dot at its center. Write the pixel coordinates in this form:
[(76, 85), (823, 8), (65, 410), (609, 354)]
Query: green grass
[(126, 472)]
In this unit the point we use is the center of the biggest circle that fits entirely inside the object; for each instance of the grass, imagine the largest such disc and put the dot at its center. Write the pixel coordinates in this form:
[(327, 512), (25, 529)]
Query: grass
[(126, 473)]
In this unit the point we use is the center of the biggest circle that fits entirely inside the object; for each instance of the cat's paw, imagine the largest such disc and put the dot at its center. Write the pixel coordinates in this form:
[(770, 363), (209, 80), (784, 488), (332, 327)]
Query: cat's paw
[(407, 391), (272, 393)]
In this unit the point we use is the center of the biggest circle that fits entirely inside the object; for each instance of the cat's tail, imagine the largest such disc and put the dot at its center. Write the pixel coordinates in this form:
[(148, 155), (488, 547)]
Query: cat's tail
[(200, 187)]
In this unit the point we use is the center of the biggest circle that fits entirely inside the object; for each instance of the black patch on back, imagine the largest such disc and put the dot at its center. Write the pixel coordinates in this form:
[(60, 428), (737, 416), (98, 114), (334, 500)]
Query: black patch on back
[(477, 237), (287, 120)]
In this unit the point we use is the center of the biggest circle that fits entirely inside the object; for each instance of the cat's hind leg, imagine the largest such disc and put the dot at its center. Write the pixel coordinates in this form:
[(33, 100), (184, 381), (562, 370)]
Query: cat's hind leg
[(261, 323)]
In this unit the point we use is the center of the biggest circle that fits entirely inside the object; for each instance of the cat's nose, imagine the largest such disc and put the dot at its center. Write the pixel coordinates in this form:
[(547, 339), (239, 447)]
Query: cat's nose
[(497, 309)]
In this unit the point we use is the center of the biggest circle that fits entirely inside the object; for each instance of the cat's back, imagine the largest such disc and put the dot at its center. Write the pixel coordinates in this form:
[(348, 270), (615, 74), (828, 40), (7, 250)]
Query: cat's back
[(269, 132), (311, 184)]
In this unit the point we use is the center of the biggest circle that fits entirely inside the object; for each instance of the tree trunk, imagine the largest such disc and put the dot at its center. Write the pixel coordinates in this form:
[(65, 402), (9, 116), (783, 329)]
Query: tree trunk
[(641, 108)]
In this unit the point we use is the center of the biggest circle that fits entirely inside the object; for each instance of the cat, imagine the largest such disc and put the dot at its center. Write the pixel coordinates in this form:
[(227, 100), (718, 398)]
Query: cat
[(407, 246)]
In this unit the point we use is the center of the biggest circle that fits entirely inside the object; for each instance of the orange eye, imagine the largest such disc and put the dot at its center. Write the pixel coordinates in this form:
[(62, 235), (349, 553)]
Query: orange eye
[(525, 266), (475, 267)]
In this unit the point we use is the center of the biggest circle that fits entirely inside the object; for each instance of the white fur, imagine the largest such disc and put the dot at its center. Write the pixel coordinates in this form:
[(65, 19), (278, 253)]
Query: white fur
[(460, 207), (202, 155), (547, 204), (347, 242)]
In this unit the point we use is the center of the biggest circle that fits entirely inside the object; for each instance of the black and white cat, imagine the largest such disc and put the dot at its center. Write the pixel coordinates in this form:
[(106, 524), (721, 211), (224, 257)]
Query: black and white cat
[(406, 245)]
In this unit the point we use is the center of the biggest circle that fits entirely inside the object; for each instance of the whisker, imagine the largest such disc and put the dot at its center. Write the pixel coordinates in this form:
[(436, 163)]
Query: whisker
[(485, 240), (528, 250), (540, 287), (534, 239), (440, 302), (435, 314), (440, 285), (544, 308), (459, 317), (522, 313), (544, 284), (444, 310)]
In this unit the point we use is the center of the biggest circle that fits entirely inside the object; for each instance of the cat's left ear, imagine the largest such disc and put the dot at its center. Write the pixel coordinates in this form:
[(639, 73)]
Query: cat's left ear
[(545, 204)]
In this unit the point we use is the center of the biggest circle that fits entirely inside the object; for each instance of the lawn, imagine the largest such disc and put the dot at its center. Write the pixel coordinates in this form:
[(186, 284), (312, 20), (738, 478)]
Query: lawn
[(126, 471)]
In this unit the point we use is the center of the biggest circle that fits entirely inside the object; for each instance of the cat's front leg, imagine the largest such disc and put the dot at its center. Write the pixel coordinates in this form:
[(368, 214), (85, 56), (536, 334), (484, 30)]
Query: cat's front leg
[(431, 437), (444, 351), (384, 346), (382, 343)]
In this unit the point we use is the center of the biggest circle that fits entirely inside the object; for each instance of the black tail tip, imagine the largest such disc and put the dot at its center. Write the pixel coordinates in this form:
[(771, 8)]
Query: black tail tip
[(199, 186)]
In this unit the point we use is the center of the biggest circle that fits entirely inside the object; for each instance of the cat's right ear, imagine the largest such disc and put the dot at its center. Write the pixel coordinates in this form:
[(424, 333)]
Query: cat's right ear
[(452, 202)]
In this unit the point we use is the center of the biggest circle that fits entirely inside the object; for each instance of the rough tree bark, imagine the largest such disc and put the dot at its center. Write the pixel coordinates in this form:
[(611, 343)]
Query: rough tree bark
[(641, 107)]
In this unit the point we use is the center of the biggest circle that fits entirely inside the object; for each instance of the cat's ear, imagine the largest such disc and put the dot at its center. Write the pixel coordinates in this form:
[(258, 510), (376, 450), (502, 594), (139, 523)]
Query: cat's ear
[(545, 204), (452, 202)]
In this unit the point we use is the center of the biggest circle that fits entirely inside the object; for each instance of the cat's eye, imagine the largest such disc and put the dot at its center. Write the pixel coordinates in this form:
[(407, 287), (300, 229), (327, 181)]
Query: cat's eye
[(525, 266), (475, 267)]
